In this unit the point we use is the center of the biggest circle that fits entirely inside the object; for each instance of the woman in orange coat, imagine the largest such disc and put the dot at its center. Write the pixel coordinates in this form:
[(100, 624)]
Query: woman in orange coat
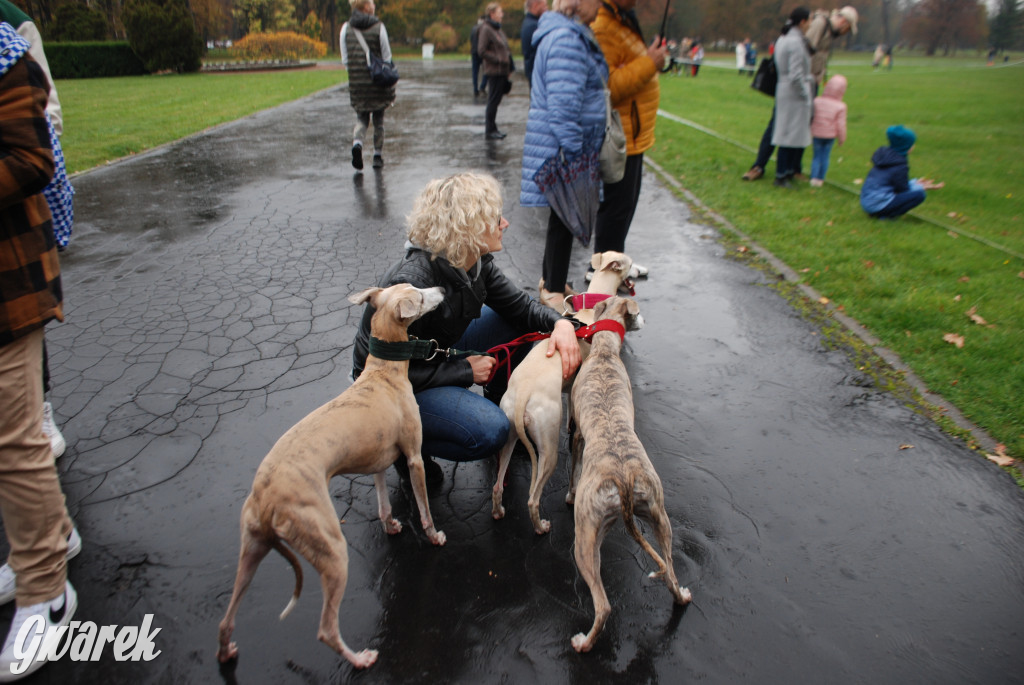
[(633, 80)]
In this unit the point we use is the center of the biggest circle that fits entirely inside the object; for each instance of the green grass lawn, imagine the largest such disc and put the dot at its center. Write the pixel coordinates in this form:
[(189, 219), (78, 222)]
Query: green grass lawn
[(910, 281), (109, 118)]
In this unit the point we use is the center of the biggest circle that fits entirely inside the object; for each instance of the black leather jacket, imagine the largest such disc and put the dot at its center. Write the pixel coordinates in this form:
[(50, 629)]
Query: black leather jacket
[(464, 297)]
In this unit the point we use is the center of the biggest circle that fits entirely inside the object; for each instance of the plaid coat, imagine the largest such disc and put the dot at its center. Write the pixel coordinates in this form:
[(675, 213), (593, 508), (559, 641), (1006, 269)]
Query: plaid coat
[(30, 289)]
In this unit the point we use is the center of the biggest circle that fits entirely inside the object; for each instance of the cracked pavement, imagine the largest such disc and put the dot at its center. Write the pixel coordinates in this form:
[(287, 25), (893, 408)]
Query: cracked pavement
[(206, 289)]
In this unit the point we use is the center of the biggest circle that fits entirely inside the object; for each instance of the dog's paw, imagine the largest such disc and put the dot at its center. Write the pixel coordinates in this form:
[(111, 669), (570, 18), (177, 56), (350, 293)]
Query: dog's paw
[(227, 653), (543, 528), (393, 526), (364, 659), (686, 595), (579, 643), (498, 512), (438, 538)]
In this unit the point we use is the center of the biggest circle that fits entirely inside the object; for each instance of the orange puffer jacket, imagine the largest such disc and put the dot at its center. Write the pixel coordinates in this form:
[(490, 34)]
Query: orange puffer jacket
[(633, 77)]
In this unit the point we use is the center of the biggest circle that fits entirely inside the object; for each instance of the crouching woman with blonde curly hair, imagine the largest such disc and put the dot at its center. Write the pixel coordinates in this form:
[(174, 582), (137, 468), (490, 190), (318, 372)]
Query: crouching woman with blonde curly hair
[(455, 226)]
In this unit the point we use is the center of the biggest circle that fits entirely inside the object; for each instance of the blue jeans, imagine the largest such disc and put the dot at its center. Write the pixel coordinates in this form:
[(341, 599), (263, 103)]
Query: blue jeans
[(822, 152), (459, 424), (901, 204)]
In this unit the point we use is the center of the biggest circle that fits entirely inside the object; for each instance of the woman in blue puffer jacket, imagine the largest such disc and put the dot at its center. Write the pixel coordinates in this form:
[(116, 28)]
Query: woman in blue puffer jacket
[(567, 114)]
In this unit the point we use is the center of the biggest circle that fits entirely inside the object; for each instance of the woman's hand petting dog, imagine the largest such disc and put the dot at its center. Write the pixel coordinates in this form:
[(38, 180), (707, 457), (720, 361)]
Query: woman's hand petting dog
[(563, 339)]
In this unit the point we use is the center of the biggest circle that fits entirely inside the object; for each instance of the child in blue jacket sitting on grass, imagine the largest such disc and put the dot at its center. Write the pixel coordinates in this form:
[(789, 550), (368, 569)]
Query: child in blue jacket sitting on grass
[(888, 191)]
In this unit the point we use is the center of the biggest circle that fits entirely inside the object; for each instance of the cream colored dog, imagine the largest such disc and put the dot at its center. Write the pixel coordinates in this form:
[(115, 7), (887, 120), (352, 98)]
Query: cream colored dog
[(611, 473), (363, 430), (533, 401)]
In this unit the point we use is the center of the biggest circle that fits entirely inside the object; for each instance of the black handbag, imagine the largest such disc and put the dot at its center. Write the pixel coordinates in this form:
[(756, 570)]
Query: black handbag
[(382, 73), (766, 78)]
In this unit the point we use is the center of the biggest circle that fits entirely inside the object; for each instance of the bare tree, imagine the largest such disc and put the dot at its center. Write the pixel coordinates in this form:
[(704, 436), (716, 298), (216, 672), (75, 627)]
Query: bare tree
[(946, 24)]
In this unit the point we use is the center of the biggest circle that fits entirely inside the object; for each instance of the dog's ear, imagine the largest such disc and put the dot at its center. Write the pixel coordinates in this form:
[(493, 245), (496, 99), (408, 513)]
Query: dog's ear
[(361, 297), (600, 307), (614, 265), (634, 322), (595, 260), (408, 309)]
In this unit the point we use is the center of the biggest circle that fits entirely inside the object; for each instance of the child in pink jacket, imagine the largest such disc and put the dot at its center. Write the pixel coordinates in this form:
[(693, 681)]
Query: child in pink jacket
[(828, 126)]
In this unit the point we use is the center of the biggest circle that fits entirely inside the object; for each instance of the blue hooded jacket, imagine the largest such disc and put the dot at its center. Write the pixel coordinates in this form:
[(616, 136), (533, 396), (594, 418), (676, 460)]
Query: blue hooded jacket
[(889, 176), (566, 98)]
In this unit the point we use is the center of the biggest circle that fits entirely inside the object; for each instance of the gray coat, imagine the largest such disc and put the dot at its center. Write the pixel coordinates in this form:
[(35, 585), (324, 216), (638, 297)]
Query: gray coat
[(794, 95)]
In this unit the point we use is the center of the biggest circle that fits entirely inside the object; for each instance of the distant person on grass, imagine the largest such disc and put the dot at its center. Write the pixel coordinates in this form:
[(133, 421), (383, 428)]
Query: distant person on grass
[(888, 191), (368, 100), (823, 29)]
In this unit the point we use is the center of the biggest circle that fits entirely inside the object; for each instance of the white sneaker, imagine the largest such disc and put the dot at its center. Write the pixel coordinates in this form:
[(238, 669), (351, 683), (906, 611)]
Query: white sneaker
[(57, 443), (55, 613), (638, 271), (7, 576)]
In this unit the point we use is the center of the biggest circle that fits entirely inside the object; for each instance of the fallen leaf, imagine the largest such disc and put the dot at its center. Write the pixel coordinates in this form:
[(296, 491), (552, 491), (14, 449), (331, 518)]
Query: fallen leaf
[(803, 271), (952, 234), (828, 223), (869, 264), (823, 300), (742, 248), (1000, 457), (805, 220), (951, 215), (956, 299), (973, 316), (964, 279), (908, 334), (954, 381), (1020, 275), (954, 339), (1009, 195), (906, 447), (858, 181)]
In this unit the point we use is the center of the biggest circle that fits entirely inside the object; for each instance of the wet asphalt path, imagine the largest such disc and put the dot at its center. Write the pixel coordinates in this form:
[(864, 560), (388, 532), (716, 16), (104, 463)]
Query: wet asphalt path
[(206, 313)]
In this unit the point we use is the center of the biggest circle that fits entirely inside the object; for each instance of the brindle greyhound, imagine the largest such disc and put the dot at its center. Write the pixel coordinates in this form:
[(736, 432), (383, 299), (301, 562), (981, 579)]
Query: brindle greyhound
[(363, 430), (533, 401), (611, 472)]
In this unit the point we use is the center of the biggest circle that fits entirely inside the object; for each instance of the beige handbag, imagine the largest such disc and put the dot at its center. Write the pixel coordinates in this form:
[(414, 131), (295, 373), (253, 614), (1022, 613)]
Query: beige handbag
[(613, 149)]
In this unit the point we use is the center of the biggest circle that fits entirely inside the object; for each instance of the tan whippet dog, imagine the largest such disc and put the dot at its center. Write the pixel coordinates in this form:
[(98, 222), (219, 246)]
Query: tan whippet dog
[(533, 401), (363, 430), (611, 473)]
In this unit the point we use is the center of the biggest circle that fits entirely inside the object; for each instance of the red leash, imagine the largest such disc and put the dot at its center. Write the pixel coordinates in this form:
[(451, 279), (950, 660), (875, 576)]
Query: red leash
[(503, 353)]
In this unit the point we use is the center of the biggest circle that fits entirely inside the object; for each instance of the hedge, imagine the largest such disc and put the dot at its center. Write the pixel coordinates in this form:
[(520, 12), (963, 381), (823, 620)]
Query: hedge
[(92, 60), (281, 45)]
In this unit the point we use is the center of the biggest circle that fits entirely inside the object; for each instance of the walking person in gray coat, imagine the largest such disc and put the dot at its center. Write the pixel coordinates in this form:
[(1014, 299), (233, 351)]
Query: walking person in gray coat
[(368, 100), (794, 97)]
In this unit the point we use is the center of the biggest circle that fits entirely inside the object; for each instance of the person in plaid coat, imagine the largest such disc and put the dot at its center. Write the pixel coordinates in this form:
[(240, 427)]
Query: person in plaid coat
[(35, 518)]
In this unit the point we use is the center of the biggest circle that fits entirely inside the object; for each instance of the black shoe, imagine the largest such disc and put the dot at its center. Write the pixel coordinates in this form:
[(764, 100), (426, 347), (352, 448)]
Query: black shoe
[(357, 156), (433, 471), (783, 183), (378, 162), (496, 135)]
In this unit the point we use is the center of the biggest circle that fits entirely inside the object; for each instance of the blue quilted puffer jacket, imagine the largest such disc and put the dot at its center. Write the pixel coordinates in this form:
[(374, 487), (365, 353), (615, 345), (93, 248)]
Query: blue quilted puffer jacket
[(566, 99)]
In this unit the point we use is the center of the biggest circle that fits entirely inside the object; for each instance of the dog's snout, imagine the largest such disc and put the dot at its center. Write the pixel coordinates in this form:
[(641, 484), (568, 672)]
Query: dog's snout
[(432, 297)]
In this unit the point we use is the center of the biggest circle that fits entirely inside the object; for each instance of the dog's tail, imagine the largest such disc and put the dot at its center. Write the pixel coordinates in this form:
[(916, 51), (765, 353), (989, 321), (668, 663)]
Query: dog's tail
[(287, 554), (627, 492), (519, 419)]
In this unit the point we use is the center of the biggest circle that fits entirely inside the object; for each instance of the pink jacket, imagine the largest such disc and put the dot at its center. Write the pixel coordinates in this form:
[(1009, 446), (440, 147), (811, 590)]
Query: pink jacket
[(830, 111)]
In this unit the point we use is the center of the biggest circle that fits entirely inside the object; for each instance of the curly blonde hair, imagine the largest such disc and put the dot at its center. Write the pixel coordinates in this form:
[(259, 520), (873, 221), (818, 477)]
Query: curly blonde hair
[(452, 216)]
